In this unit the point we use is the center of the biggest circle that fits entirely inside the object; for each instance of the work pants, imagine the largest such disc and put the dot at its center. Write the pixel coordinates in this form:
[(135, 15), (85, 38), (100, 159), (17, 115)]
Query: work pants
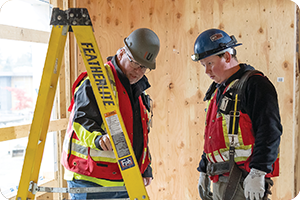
[(101, 195), (220, 187)]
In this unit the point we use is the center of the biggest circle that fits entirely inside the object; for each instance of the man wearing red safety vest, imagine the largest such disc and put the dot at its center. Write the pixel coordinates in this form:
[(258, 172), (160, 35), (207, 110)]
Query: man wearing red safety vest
[(242, 128), (87, 152)]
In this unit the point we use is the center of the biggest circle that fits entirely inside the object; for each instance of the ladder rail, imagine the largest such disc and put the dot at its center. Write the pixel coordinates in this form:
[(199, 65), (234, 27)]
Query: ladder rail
[(110, 112), (41, 117)]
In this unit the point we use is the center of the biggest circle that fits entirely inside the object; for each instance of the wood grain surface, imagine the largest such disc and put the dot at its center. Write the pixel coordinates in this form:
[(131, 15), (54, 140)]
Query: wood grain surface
[(267, 30)]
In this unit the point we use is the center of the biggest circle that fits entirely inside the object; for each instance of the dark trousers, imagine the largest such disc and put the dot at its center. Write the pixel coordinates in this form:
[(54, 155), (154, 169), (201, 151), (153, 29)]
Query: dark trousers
[(102, 195)]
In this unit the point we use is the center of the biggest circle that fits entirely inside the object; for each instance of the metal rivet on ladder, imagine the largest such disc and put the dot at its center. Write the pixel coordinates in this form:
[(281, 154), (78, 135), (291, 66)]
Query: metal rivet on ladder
[(59, 17), (143, 197)]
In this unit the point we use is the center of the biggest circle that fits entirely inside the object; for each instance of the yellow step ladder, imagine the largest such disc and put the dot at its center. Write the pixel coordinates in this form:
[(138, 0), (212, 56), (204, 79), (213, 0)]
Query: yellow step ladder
[(78, 21)]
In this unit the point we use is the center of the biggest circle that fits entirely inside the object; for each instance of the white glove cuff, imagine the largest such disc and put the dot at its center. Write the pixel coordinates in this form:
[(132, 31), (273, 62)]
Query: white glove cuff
[(202, 174), (257, 172)]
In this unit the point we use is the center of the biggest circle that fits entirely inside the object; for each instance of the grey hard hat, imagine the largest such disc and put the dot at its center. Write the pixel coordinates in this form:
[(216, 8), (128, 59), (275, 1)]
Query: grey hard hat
[(144, 45)]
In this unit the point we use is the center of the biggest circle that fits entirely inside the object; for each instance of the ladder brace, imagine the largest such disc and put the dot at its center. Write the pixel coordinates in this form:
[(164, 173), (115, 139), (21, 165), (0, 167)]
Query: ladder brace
[(34, 188)]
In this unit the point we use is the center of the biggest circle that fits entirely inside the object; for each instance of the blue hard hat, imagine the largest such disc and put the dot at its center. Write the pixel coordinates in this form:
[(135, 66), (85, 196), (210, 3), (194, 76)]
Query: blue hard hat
[(211, 42)]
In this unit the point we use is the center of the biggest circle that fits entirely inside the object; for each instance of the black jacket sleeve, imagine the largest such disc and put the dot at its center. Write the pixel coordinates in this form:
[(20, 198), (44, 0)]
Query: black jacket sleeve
[(87, 113), (261, 104), (148, 172), (203, 163)]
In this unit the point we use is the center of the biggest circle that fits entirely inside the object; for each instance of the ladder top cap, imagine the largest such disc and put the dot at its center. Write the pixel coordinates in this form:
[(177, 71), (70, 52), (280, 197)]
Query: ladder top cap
[(71, 17)]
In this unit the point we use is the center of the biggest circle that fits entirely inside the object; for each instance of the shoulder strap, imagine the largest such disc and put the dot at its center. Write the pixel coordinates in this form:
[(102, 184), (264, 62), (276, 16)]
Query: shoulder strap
[(238, 91), (240, 85), (235, 173)]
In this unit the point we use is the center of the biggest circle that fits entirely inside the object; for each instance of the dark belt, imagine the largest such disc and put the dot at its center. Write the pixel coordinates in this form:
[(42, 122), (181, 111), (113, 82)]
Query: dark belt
[(213, 169)]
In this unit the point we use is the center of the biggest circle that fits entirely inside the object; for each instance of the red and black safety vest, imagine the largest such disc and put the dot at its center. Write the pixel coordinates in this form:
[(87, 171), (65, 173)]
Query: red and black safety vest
[(92, 162), (217, 141)]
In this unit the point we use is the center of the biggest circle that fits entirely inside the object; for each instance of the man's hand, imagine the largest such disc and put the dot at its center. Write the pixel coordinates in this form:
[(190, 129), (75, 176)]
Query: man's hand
[(147, 180), (204, 187), (203, 181), (105, 143), (254, 184)]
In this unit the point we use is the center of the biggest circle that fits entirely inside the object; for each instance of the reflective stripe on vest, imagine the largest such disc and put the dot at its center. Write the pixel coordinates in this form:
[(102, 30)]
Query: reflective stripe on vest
[(103, 182), (97, 155), (223, 155)]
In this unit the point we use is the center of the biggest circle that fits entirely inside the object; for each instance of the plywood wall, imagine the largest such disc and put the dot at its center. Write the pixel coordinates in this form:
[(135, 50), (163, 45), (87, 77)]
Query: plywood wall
[(267, 30)]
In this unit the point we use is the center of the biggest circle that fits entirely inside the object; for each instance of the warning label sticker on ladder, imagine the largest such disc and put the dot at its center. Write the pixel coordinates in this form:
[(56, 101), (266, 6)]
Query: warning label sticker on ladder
[(117, 134)]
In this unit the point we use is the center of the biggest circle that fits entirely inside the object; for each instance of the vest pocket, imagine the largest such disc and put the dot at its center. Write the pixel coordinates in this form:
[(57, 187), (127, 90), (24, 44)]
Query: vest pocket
[(101, 165), (104, 170)]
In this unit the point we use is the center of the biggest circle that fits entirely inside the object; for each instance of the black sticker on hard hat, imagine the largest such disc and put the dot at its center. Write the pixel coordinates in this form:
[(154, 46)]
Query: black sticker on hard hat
[(148, 56), (216, 36)]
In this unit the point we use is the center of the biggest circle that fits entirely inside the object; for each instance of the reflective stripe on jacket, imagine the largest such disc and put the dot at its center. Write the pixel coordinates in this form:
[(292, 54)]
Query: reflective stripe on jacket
[(83, 157)]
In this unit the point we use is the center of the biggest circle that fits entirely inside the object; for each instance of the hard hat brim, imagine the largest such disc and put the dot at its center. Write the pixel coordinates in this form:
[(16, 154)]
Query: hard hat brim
[(200, 56)]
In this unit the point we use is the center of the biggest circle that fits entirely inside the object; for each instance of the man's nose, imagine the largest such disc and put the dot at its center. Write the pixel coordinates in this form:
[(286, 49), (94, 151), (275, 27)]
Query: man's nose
[(207, 70)]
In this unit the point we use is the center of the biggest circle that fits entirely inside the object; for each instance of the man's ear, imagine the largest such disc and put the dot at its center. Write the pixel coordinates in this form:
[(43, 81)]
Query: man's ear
[(121, 52), (227, 57)]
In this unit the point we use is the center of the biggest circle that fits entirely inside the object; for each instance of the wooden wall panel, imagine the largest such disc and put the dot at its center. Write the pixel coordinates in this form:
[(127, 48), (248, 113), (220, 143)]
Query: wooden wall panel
[(267, 30), (297, 111)]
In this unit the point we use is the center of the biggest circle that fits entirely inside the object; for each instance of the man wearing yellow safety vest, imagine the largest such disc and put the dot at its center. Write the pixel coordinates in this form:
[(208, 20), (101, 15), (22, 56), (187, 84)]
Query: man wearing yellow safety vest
[(87, 152), (242, 127)]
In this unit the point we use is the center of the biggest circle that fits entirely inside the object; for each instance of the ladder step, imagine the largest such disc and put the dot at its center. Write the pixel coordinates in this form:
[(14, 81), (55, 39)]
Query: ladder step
[(78, 190)]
